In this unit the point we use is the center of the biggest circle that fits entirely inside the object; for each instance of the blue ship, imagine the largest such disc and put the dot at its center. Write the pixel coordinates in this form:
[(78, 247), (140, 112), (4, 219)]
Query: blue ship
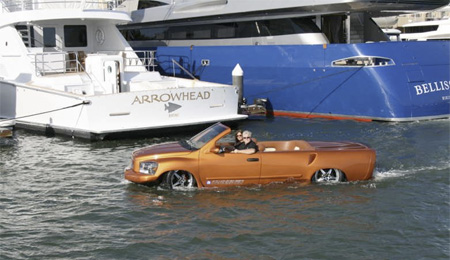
[(328, 60)]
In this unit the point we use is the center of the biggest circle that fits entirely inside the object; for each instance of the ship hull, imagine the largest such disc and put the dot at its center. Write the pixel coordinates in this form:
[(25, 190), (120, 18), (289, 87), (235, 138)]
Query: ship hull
[(301, 80), (122, 114)]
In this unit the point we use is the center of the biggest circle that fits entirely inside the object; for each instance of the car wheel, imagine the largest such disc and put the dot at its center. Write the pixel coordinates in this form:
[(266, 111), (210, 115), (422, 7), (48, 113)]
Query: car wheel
[(180, 180), (328, 176)]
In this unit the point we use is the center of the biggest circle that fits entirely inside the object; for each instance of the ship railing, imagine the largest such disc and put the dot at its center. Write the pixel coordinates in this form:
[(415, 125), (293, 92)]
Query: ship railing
[(57, 62), (179, 66), (48, 63), (24, 5), (174, 62), (74, 61), (136, 59)]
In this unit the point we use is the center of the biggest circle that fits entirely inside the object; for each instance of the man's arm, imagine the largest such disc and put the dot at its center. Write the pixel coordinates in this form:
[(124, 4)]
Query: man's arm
[(251, 148)]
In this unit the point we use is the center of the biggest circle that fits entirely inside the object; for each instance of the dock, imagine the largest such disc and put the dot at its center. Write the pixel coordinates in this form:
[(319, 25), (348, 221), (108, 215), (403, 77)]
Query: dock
[(6, 128), (6, 132)]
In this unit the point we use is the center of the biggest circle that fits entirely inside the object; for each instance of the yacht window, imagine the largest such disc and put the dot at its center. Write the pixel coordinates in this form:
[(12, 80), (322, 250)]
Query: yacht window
[(361, 61), (246, 29), (149, 34), (421, 29), (225, 30), (279, 27), (286, 26), (304, 25), (159, 33), (131, 35), (262, 29), (192, 32), (49, 37), (200, 32), (177, 33), (149, 4), (75, 36)]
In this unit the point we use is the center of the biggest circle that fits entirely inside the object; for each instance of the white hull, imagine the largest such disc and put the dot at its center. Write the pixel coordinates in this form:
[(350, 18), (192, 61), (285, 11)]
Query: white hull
[(5, 123), (97, 116)]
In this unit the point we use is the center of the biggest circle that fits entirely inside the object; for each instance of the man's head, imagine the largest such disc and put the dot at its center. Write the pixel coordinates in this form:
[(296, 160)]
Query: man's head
[(247, 136)]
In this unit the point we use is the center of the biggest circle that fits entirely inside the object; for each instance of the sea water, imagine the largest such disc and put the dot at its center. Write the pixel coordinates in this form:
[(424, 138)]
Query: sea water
[(63, 198)]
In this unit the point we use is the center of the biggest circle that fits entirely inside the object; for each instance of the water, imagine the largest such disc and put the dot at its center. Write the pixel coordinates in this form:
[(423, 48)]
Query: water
[(67, 199)]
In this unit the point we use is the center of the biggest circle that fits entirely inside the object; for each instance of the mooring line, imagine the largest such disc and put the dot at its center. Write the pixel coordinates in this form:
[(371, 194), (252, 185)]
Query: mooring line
[(302, 83), (85, 102), (313, 80), (331, 92)]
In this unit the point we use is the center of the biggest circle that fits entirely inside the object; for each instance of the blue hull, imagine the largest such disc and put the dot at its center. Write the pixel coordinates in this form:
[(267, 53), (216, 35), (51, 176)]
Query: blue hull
[(299, 80)]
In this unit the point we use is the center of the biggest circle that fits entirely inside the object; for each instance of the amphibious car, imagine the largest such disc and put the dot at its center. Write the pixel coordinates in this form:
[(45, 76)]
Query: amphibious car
[(205, 161)]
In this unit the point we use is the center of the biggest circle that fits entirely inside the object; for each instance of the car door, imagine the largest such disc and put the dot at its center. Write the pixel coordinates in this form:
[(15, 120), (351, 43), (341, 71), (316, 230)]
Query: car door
[(229, 169), (285, 166)]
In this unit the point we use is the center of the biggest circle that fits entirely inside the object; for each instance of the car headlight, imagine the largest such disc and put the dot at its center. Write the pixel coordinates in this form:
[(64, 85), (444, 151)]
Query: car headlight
[(148, 167)]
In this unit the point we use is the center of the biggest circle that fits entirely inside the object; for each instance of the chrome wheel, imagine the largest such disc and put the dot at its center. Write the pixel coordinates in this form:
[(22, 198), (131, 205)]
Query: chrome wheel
[(328, 176), (180, 180)]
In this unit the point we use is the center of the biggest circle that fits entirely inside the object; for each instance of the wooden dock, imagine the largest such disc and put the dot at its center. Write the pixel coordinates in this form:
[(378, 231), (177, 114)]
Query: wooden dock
[(6, 132), (6, 128)]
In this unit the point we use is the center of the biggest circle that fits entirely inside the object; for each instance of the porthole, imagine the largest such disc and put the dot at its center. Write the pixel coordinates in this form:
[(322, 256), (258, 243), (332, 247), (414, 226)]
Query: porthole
[(100, 36)]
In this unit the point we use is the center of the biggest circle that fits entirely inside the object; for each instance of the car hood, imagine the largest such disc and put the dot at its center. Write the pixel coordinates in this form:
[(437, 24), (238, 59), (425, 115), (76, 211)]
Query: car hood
[(164, 148)]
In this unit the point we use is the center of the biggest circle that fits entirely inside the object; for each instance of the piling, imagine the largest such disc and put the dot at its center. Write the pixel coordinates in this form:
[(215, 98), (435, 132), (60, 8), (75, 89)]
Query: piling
[(238, 81)]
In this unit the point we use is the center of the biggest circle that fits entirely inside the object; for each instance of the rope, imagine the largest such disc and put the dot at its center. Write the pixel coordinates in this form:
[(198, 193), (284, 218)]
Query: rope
[(312, 80), (331, 92), (301, 83), (85, 102)]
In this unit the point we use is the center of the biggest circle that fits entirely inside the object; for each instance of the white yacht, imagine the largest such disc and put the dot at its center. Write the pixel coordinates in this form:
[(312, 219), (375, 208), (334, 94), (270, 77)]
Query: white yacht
[(66, 69), (426, 31)]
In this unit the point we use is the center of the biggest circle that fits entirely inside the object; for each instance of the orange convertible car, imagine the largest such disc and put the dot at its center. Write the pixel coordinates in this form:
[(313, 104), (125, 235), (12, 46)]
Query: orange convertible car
[(202, 162)]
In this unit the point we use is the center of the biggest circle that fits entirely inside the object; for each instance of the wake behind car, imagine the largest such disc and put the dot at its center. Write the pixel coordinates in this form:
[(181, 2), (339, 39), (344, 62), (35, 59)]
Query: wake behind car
[(204, 161)]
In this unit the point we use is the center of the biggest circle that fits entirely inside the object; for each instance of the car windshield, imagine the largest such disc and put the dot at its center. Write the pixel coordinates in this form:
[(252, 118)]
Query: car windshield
[(199, 140)]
